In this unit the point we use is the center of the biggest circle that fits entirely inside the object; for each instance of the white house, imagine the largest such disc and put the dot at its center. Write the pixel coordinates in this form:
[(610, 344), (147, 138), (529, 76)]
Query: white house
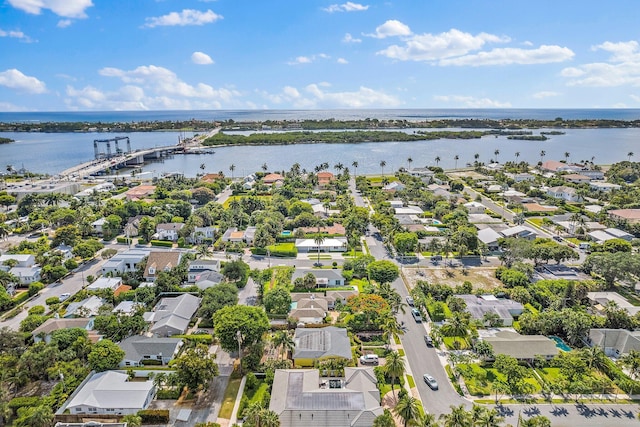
[(110, 283), (201, 233), (125, 262), (168, 231), (171, 316), (490, 237), (565, 193), (475, 207), (26, 275), (324, 278), (330, 244), (88, 307), (605, 187), (198, 266), (98, 225), (21, 260), (111, 393), (520, 232)]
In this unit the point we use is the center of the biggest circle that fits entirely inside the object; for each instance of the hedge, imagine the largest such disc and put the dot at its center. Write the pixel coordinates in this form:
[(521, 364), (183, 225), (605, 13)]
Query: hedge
[(20, 298), (171, 394), (163, 243), (199, 338), (154, 416), (22, 402)]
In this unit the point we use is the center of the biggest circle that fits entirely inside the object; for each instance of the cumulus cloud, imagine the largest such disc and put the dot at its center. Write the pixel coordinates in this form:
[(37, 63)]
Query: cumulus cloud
[(391, 28), (308, 59), (471, 102), (432, 47), (15, 79), (184, 18), (64, 8), (342, 61), (64, 23), (201, 58), (621, 69), (16, 35), (635, 97), (506, 56), (348, 38), (9, 107), (346, 7), (545, 94), (317, 95)]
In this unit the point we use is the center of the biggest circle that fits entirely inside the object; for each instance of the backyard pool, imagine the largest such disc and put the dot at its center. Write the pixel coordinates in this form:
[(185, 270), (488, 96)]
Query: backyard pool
[(560, 344), (286, 233)]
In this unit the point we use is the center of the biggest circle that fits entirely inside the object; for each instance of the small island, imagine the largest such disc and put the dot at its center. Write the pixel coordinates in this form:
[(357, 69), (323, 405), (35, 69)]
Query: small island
[(6, 140)]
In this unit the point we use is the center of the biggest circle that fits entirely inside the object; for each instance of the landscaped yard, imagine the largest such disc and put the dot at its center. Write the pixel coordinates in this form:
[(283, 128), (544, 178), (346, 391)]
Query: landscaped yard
[(230, 395), (479, 380), (481, 278), (462, 343)]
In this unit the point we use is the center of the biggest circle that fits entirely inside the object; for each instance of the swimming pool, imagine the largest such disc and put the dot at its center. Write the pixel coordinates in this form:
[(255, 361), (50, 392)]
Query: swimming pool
[(560, 344), (286, 233)]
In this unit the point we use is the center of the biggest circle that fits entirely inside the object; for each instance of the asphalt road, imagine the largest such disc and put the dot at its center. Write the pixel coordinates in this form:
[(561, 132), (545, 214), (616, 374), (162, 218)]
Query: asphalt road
[(573, 415)]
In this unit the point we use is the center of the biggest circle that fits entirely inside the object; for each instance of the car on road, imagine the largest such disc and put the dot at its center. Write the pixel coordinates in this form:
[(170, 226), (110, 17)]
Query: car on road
[(416, 315), (64, 297), (558, 238), (572, 245), (428, 341), (431, 382), (410, 301), (436, 258), (369, 359)]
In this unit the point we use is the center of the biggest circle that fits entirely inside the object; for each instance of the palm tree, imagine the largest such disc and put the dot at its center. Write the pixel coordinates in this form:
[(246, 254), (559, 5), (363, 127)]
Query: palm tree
[(355, 168), (566, 156), (427, 420), (4, 231), (318, 239), (542, 154), (488, 418), (476, 157), (258, 416), (629, 155), (437, 159), (338, 167), (408, 409), (202, 167), (456, 325), (409, 161), (458, 417), (283, 339), (496, 153), (265, 167), (456, 158), (383, 163), (232, 167), (394, 368), (517, 155), (631, 361)]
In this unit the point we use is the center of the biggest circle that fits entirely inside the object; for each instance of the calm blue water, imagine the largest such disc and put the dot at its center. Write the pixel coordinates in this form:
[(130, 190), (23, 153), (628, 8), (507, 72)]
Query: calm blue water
[(52, 153)]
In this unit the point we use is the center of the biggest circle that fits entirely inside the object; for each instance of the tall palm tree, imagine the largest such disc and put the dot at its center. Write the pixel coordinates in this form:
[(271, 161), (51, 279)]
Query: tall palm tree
[(458, 417), (517, 155), (566, 156), (409, 161), (542, 154), (630, 155), (283, 339), (264, 167), (488, 418), (437, 159), (408, 409), (4, 231), (456, 158), (427, 420), (318, 239), (338, 166), (631, 361), (355, 168), (391, 328), (476, 157), (383, 163), (394, 368), (232, 168), (496, 153)]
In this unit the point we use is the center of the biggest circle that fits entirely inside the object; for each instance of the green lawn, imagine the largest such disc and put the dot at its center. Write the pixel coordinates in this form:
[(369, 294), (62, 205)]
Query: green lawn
[(411, 382), (449, 342), (535, 221), (479, 379), (229, 399), (257, 395), (360, 283)]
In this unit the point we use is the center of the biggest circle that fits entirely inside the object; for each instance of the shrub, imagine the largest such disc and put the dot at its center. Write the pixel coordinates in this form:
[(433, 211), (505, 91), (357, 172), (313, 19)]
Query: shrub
[(52, 300), (23, 402), (168, 394), (252, 381), (121, 240), (20, 298), (154, 416), (36, 309), (197, 339), (163, 243), (70, 264), (34, 288)]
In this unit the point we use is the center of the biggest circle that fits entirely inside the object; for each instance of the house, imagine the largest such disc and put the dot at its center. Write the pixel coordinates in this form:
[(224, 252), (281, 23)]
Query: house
[(125, 262), (614, 342), (44, 331), (338, 297), (171, 316), (494, 188), (522, 347), (20, 260), (311, 311), (479, 305), (140, 192), (91, 424), (408, 210), (233, 235), (600, 236), (66, 251), (132, 228), (619, 234), (394, 186), (111, 283), (334, 230), (272, 178), (523, 177), (592, 173), (576, 178), (557, 167), (128, 308), (330, 244), (201, 233), (324, 178), (324, 278), (425, 174), (199, 266), (208, 279), (304, 399), (26, 275), (520, 232), (599, 300), (631, 216), (160, 261), (211, 177), (568, 194), (316, 344), (98, 225), (605, 187), (140, 348), (88, 307), (168, 231), (475, 207), (110, 392)]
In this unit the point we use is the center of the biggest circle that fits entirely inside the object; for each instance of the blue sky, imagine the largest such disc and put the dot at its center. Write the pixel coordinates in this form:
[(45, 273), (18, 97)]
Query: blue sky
[(59, 55)]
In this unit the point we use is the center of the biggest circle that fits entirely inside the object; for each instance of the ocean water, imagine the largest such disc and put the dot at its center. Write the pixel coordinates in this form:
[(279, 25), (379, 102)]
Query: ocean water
[(54, 152)]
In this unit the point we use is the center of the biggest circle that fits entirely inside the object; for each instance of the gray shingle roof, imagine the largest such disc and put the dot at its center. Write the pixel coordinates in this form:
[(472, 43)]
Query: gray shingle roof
[(138, 346)]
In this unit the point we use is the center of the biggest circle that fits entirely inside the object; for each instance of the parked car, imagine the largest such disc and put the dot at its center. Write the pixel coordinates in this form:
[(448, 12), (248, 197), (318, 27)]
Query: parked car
[(558, 238), (416, 315), (436, 258), (431, 382), (369, 359), (410, 301), (428, 341), (64, 296)]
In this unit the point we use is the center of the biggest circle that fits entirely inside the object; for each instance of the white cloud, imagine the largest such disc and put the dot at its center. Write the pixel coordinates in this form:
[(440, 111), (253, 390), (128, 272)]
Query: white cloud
[(471, 102), (308, 59), (348, 38), (431, 47), (621, 69), (317, 95), (201, 58), (509, 55), (342, 61), (346, 7), (545, 94), (14, 79), (635, 97), (15, 35), (64, 23), (65, 8), (9, 107), (391, 28), (186, 17)]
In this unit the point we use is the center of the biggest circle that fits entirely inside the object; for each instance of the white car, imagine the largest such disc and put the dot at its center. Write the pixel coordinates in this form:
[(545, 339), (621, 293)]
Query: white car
[(64, 296), (369, 359)]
